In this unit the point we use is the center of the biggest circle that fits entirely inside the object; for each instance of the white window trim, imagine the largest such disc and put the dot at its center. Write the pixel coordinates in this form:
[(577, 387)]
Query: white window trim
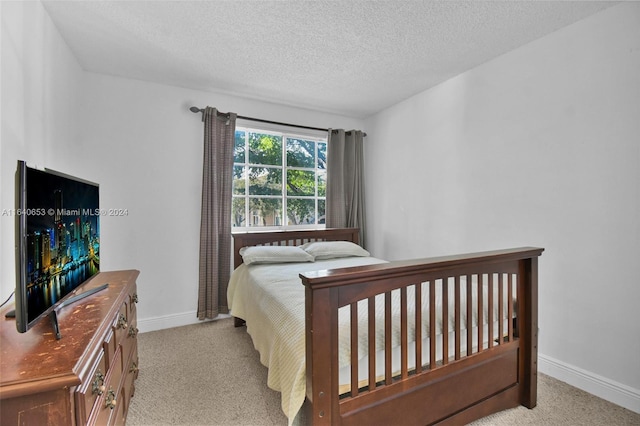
[(285, 132)]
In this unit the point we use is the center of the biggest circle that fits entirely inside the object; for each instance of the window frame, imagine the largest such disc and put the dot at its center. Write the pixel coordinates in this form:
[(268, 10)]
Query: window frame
[(285, 133)]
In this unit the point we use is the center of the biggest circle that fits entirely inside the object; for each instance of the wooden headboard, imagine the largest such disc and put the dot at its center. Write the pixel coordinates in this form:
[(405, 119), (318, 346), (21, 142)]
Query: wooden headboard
[(289, 238)]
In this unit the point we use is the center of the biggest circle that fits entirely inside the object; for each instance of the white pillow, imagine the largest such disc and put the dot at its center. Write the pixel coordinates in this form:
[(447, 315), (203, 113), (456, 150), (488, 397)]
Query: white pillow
[(331, 249), (274, 254)]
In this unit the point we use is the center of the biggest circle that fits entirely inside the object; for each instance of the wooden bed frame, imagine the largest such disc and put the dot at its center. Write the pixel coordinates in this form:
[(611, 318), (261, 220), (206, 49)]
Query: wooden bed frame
[(498, 374)]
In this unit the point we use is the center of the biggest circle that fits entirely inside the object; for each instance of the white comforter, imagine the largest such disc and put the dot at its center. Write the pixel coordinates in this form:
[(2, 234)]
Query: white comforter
[(270, 298)]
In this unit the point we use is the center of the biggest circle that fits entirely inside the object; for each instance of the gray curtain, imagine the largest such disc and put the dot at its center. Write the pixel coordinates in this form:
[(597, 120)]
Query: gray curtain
[(215, 224), (345, 180)]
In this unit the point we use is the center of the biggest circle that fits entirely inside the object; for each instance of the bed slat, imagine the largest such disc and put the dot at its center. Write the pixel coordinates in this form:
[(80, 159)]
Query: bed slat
[(458, 325), (432, 325), (388, 374), (372, 343), (501, 308), (404, 329), (510, 306), (418, 325), (469, 316), (480, 312), (354, 349), (490, 311), (445, 321)]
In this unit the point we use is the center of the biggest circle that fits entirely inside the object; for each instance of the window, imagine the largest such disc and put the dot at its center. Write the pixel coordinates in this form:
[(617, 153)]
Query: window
[(279, 180)]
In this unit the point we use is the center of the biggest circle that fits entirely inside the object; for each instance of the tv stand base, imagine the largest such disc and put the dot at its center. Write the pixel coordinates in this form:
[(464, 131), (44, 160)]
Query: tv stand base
[(80, 296)]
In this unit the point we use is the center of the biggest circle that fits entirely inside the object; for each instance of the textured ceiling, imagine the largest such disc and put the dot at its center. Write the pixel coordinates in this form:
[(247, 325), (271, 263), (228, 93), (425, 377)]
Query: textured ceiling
[(348, 57)]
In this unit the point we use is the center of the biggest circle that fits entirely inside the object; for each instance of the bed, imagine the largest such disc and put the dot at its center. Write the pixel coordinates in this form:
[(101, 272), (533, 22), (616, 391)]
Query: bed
[(342, 332)]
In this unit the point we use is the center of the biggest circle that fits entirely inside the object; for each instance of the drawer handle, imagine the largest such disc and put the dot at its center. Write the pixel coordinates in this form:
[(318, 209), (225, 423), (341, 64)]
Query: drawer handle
[(133, 331), (97, 386), (122, 321), (134, 368), (110, 401), (135, 298)]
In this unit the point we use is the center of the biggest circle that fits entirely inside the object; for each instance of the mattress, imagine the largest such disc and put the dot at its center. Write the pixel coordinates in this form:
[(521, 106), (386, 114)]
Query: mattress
[(271, 299)]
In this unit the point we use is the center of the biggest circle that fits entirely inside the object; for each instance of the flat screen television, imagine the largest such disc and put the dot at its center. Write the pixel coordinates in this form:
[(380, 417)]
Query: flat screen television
[(57, 240)]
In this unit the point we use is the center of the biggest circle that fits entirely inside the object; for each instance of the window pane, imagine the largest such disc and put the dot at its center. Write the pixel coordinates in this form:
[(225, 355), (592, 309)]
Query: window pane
[(239, 148), (322, 155), (301, 183), (321, 211), (322, 183), (265, 212), (238, 213), (265, 149), (239, 180), (301, 153), (301, 211), (265, 181)]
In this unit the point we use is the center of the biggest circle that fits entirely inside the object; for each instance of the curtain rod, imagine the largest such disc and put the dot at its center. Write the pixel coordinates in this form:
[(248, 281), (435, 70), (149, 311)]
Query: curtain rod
[(196, 110)]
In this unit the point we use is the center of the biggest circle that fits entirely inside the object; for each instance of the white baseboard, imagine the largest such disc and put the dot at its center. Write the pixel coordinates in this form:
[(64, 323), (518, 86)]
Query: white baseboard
[(607, 389), (170, 321)]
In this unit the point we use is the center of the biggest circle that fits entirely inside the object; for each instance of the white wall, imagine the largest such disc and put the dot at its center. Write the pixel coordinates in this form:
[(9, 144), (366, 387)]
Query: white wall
[(146, 148), (540, 147), (40, 83)]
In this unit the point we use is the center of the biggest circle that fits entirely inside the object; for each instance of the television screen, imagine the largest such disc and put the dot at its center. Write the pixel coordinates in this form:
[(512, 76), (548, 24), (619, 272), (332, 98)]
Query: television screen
[(58, 233)]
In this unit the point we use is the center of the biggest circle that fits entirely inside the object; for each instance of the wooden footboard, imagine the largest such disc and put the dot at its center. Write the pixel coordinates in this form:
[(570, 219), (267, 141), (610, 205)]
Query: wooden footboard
[(475, 374)]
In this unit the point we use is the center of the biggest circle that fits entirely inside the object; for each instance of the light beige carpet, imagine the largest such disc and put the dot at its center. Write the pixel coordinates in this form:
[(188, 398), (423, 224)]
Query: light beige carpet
[(210, 374)]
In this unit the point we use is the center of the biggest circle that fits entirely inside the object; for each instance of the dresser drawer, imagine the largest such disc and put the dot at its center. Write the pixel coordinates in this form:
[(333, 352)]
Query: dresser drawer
[(120, 412), (109, 346), (90, 391), (111, 400)]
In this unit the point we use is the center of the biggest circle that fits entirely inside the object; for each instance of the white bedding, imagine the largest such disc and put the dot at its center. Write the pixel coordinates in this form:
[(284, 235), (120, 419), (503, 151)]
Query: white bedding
[(270, 298)]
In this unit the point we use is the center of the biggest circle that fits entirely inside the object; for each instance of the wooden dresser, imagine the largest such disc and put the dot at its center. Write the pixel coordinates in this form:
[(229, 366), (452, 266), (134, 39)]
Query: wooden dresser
[(86, 377)]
